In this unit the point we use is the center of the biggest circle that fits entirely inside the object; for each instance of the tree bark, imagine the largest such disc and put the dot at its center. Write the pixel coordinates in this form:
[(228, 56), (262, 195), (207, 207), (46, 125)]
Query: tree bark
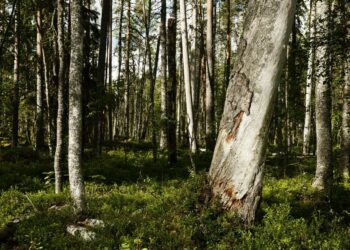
[(345, 130), (237, 167), (171, 91), (323, 108), (189, 104), (163, 93), (209, 89), (127, 73), (60, 98), (101, 72), (75, 109), (309, 81), (15, 102), (39, 121)]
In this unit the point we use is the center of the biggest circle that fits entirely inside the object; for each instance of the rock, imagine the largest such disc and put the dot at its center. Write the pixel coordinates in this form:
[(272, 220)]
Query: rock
[(82, 228), (82, 232), (92, 223)]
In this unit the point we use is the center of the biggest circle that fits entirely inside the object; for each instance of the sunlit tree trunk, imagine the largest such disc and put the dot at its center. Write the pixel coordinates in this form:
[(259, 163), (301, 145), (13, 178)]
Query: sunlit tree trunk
[(171, 89), (323, 108), (163, 93), (187, 80), (237, 167), (48, 101), (309, 81), (60, 98), (345, 130), (209, 89), (127, 72), (15, 100), (75, 108), (39, 121)]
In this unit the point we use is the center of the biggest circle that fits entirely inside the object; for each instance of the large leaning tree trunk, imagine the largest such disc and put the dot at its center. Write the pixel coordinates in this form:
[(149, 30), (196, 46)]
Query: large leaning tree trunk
[(236, 170), (75, 109), (60, 98), (323, 109)]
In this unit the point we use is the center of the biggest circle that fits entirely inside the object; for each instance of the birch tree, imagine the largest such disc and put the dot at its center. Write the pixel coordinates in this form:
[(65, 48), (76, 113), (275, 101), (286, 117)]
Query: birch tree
[(237, 166), (75, 108), (323, 107), (187, 80), (60, 98)]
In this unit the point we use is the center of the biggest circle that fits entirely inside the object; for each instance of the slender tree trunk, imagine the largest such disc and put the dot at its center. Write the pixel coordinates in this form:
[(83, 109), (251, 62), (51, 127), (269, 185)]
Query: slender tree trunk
[(75, 108), (101, 71), (163, 93), (345, 130), (15, 102), (127, 73), (48, 102), (39, 121), (209, 90), (110, 68), (189, 104), (237, 167), (323, 175), (171, 92), (60, 97), (309, 81)]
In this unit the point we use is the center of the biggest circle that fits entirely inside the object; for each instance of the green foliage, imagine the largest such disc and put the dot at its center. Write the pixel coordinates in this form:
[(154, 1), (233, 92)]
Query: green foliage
[(149, 206)]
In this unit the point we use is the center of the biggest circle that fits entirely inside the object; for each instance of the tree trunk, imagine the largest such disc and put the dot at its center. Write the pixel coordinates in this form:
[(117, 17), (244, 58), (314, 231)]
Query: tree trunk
[(101, 72), (75, 109), (127, 73), (163, 93), (48, 102), (60, 97), (189, 104), (171, 91), (237, 167), (323, 108), (15, 102), (309, 81), (345, 130), (39, 121), (209, 89)]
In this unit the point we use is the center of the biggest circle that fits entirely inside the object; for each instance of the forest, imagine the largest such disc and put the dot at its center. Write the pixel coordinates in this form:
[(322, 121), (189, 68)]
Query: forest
[(174, 124)]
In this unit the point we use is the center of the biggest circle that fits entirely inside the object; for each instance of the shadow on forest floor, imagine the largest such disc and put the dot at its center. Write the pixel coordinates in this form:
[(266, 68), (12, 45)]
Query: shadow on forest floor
[(147, 204)]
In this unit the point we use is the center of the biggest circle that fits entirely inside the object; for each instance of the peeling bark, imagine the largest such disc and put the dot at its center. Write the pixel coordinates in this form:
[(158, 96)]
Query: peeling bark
[(237, 167)]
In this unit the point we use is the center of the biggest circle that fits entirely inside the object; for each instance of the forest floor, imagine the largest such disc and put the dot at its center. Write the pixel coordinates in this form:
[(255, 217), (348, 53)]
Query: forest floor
[(147, 205)]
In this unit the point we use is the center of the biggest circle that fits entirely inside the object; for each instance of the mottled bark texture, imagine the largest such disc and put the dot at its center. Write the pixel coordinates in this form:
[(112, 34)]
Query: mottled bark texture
[(187, 80), (345, 130), (209, 89), (39, 121), (127, 73), (163, 69), (171, 89), (15, 98), (236, 170), (309, 81), (75, 108), (60, 98), (323, 107)]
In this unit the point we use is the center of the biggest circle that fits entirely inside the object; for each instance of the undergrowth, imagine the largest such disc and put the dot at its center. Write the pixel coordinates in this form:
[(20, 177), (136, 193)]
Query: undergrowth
[(147, 205)]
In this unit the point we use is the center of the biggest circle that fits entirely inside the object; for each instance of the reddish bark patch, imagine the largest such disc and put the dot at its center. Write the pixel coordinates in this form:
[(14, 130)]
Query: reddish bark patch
[(236, 122)]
